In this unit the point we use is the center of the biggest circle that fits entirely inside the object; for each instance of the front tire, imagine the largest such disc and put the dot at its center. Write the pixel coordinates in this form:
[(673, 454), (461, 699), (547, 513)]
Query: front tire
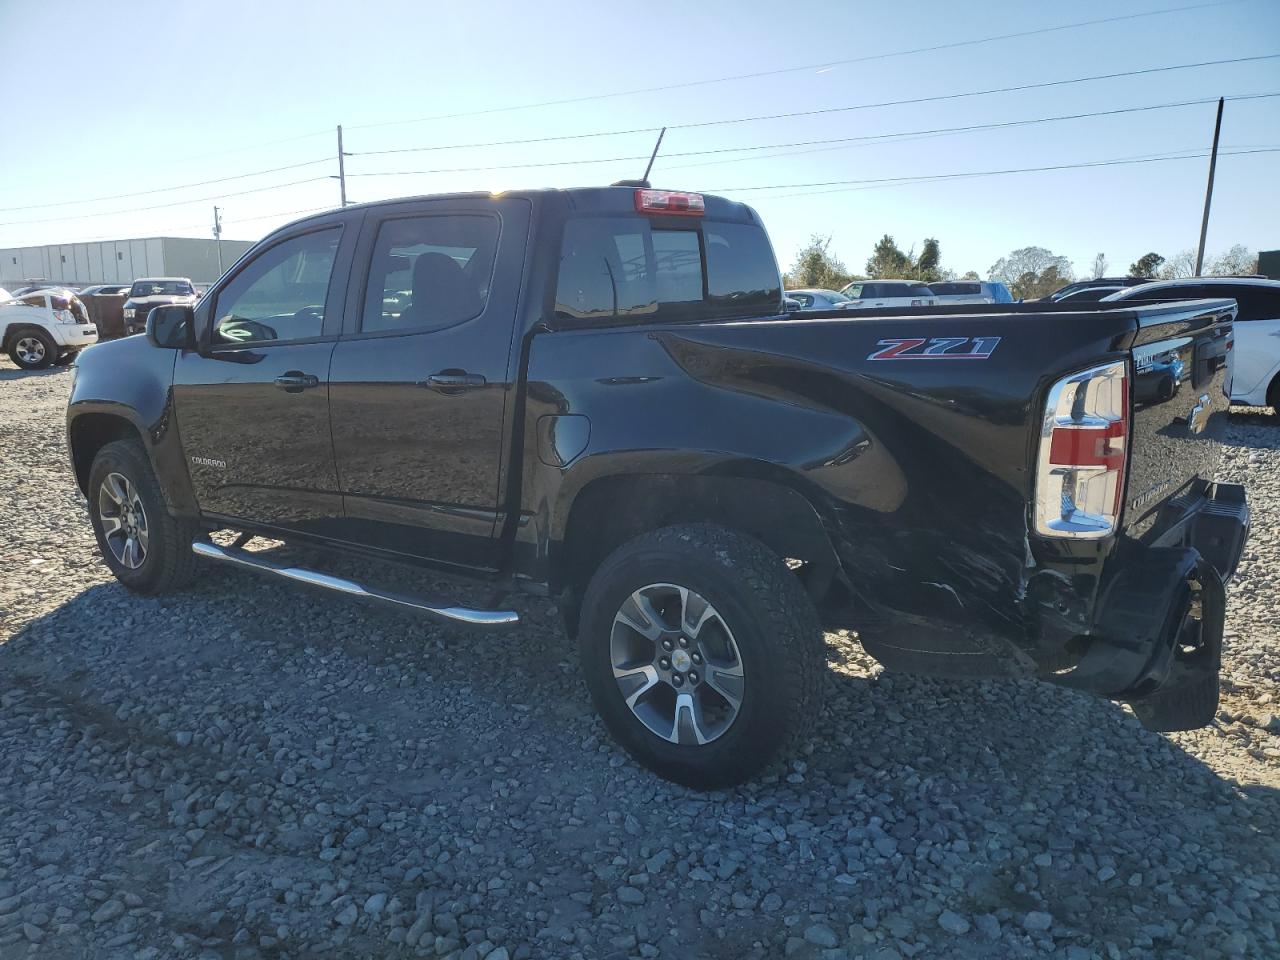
[(703, 654), (32, 349), (145, 547)]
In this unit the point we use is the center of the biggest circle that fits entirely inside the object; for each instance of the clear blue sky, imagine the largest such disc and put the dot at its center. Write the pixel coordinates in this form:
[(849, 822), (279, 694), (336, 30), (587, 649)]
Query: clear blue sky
[(118, 98)]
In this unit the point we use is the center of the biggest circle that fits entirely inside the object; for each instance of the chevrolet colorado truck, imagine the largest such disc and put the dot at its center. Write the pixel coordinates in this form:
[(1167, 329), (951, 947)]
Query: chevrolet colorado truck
[(594, 395)]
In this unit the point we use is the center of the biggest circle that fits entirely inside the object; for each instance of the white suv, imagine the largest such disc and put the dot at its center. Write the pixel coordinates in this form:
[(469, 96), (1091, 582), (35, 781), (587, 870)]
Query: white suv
[(887, 293), (1255, 374), (44, 327)]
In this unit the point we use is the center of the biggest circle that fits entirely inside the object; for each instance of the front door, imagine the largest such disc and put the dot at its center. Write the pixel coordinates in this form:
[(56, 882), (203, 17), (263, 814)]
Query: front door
[(253, 403), (421, 381)]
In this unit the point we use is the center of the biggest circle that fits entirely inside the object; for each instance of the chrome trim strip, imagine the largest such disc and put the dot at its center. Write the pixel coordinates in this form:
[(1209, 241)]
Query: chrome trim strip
[(460, 616)]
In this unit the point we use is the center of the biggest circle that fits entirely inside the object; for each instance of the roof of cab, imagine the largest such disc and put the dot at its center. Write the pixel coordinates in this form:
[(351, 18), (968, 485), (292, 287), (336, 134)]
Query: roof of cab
[(595, 200)]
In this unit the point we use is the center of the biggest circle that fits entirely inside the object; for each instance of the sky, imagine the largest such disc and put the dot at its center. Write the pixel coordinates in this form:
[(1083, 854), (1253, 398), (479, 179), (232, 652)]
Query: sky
[(153, 95)]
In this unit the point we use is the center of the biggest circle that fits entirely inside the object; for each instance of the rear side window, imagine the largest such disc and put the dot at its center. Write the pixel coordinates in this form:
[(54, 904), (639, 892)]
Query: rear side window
[(1253, 303), (428, 273), (615, 267)]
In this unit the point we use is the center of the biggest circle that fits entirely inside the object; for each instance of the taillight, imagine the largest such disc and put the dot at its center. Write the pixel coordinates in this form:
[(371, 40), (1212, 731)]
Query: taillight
[(1081, 464), (670, 202)]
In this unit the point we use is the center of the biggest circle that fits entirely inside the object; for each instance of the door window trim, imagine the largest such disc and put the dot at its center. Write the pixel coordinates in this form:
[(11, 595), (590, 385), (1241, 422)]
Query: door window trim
[(336, 287), (364, 258)]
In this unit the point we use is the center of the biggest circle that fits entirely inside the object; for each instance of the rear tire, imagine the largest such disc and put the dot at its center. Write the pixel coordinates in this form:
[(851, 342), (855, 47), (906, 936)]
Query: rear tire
[(1273, 396), (760, 644), (132, 506), (32, 349)]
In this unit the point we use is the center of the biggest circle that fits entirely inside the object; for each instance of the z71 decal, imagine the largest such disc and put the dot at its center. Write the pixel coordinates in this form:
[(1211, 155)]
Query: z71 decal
[(936, 348)]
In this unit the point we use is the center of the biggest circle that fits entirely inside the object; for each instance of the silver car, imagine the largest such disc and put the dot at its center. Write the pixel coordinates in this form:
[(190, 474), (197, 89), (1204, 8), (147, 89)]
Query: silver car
[(815, 298)]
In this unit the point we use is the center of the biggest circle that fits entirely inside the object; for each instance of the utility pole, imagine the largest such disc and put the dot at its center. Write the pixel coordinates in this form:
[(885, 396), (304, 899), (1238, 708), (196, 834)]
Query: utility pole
[(1208, 191), (342, 171), (217, 237)]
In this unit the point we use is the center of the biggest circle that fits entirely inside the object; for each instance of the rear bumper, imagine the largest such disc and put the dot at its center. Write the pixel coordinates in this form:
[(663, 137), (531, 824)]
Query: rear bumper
[(1159, 616)]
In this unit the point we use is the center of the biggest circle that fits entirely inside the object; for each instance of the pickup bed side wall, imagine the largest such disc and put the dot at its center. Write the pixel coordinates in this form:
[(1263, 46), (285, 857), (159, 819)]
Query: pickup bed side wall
[(102, 401), (920, 470)]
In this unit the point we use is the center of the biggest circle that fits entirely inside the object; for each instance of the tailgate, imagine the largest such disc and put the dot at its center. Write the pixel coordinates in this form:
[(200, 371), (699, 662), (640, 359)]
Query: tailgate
[(1182, 378)]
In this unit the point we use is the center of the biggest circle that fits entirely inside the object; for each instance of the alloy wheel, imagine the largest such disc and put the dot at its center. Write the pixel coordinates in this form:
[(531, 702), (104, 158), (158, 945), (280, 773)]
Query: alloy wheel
[(29, 350), (676, 664), (124, 521)]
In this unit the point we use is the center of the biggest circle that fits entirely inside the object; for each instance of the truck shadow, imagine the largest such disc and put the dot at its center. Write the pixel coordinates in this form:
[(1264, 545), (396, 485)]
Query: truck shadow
[(8, 371), (1036, 798)]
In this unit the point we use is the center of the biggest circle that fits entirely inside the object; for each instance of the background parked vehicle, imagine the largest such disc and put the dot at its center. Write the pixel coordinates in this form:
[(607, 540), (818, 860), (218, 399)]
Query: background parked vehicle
[(888, 293), (43, 328), (1255, 380), (105, 303), (150, 292), (1088, 294), (971, 291), (815, 298), (1071, 288)]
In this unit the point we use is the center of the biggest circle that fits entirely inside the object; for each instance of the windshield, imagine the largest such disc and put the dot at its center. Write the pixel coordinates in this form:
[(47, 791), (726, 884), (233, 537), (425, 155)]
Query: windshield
[(160, 288)]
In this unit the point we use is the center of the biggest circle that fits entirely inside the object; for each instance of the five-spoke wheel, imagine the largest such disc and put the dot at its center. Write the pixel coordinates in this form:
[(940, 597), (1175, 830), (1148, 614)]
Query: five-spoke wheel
[(124, 520), (676, 663), (702, 652)]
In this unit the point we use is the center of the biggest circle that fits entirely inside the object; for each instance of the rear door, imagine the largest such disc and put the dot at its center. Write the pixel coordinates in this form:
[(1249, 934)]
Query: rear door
[(422, 380)]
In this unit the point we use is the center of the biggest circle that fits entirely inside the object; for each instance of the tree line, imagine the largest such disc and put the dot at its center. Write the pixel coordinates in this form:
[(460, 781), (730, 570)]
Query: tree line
[(1028, 272)]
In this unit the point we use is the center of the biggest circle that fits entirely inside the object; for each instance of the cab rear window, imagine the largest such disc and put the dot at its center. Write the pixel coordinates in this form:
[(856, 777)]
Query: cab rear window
[(625, 267)]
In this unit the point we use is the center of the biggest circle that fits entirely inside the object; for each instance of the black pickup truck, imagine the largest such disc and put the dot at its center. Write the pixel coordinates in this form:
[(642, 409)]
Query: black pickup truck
[(595, 395)]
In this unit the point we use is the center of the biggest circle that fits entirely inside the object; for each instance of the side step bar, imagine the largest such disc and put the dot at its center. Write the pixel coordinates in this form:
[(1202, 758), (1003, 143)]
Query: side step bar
[(458, 616)]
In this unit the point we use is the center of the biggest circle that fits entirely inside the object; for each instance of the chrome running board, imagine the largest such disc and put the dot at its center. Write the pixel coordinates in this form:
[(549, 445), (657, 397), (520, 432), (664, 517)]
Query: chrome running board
[(458, 616)]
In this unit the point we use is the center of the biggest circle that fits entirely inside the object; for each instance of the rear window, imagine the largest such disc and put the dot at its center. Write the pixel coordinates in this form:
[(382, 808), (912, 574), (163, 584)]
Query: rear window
[(615, 267), (956, 289)]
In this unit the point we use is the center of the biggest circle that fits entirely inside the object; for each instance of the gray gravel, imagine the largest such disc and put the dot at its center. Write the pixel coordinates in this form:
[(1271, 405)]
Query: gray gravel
[(250, 771)]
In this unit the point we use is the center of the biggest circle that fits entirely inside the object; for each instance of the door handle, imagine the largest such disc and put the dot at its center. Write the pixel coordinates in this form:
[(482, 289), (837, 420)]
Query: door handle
[(451, 381), (295, 381)]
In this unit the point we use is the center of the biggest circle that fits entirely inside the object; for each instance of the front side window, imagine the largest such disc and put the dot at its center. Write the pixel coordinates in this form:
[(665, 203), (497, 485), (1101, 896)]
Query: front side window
[(428, 273), (279, 295), (855, 291)]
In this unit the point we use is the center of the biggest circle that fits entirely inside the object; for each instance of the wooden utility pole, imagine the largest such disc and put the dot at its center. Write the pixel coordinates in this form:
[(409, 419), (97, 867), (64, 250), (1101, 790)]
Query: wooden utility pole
[(1208, 190), (217, 237), (342, 170)]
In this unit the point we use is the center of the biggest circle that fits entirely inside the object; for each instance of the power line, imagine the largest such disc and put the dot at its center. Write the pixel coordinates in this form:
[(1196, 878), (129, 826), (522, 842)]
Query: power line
[(824, 110), (810, 66), (181, 186), (1155, 158), (161, 206), (936, 131)]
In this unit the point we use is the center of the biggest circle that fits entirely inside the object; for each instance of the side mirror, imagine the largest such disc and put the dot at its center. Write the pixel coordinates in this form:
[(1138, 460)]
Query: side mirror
[(172, 327)]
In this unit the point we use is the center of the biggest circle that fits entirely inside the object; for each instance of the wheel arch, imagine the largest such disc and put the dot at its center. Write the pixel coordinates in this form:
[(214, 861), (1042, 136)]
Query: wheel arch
[(611, 510), (89, 432)]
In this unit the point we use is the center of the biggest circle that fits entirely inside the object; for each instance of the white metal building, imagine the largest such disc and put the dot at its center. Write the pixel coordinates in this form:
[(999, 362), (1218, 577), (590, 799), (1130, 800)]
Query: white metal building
[(119, 261)]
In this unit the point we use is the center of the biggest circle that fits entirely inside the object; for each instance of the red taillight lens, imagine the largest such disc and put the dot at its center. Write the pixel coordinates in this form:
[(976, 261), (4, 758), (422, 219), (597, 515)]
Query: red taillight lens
[(1081, 465), (670, 202)]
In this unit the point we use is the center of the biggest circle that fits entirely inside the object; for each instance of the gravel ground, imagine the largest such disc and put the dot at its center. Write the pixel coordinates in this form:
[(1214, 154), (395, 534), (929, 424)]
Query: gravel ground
[(246, 770)]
